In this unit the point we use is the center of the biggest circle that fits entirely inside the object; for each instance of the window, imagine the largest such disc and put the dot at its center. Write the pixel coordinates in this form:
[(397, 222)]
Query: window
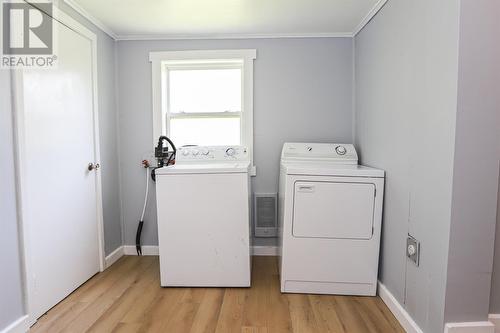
[(203, 104), (204, 97)]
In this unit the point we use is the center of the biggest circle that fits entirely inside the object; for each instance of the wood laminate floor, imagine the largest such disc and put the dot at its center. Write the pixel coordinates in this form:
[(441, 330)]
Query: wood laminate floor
[(127, 297)]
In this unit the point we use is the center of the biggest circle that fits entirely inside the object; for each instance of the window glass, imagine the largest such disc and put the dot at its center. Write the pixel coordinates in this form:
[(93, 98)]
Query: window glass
[(204, 90), (205, 131)]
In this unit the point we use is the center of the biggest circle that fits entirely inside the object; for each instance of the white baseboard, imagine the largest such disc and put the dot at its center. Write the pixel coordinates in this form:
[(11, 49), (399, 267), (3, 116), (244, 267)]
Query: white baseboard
[(258, 250), (494, 318), (470, 327), (114, 256), (398, 310), (147, 250), (152, 250), (19, 326)]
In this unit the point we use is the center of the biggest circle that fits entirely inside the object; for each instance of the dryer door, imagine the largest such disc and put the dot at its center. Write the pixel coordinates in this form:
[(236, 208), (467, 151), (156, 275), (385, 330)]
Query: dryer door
[(333, 210)]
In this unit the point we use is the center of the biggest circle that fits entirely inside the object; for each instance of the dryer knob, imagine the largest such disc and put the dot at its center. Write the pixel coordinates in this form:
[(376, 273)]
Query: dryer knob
[(230, 151), (195, 152), (340, 150)]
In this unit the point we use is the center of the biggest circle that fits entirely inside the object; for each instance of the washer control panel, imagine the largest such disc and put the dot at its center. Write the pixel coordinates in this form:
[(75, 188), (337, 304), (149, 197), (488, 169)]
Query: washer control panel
[(329, 152), (212, 153)]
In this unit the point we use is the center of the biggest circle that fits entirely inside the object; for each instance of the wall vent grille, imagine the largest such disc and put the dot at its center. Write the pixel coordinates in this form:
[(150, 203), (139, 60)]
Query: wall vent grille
[(266, 215)]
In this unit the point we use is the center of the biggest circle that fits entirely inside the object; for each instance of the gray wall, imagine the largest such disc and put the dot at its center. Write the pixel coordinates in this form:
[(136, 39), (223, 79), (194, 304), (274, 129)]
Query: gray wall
[(11, 292), (405, 83), (495, 279), (108, 132), (302, 93), (475, 174)]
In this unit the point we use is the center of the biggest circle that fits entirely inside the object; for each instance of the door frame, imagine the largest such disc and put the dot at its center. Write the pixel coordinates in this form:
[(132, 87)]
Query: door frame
[(19, 148)]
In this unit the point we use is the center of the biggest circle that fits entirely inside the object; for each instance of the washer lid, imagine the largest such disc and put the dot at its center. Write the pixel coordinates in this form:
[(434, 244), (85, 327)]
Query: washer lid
[(325, 169), (204, 168)]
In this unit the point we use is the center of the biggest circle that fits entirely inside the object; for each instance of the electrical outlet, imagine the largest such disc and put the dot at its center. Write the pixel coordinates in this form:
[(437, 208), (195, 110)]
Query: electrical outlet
[(413, 249)]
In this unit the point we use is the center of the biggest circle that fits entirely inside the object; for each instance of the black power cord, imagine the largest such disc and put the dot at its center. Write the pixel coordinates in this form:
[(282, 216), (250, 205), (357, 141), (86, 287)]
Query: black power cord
[(161, 153)]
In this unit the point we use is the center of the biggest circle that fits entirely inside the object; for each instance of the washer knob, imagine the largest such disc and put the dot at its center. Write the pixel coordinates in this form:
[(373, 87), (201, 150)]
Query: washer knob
[(340, 150), (230, 151), (195, 152), (185, 152), (204, 151)]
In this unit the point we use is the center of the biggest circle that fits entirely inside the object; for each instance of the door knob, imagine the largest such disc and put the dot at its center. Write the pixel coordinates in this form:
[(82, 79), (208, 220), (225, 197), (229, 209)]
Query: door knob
[(93, 166)]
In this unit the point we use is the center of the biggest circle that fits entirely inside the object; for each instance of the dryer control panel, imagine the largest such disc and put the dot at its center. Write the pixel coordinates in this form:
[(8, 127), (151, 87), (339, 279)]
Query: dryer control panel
[(211, 154), (327, 152)]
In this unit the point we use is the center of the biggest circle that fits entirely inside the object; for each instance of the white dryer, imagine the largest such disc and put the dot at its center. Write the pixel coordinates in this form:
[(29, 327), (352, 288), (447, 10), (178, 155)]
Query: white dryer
[(330, 212), (203, 218)]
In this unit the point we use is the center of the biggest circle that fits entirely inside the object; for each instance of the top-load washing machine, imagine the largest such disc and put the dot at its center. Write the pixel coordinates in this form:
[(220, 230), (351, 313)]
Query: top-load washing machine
[(330, 212), (203, 218)]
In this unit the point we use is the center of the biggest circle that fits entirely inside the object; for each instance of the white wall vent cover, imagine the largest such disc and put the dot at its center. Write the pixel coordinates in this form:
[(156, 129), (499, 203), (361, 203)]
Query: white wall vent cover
[(266, 215)]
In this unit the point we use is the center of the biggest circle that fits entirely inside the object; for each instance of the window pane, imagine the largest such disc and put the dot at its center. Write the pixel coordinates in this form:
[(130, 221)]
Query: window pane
[(205, 90), (205, 131)]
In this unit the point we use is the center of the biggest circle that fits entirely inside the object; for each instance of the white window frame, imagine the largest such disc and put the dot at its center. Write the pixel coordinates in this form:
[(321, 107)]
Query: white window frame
[(163, 61)]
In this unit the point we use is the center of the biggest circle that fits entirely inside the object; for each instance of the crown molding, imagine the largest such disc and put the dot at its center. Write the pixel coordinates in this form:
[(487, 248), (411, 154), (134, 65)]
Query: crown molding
[(378, 6), (98, 23), (232, 36), (130, 37)]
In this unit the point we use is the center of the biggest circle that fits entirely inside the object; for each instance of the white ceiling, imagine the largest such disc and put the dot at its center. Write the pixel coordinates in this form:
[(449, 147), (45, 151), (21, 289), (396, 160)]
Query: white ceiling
[(138, 19)]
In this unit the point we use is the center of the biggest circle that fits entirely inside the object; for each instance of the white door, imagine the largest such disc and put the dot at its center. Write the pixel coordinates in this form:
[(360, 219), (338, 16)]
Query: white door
[(59, 193), (333, 210)]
